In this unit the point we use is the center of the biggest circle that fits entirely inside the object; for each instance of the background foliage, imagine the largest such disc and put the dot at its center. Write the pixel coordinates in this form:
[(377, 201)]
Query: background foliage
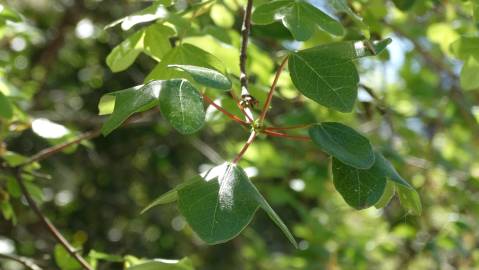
[(416, 104)]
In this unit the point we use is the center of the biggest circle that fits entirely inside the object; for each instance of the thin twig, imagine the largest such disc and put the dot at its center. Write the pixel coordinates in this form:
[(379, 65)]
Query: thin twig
[(60, 147), (247, 99), (206, 150), (271, 90), (51, 228), (225, 112), (251, 138), (28, 263), (287, 136)]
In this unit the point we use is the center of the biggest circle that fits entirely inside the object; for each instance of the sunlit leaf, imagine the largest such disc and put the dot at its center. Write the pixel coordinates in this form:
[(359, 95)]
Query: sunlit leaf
[(64, 260), (300, 17), (151, 13), (124, 54), (388, 194), (185, 54), (6, 108), (163, 264), (409, 199), (469, 74), (130, 101), (205, 76)]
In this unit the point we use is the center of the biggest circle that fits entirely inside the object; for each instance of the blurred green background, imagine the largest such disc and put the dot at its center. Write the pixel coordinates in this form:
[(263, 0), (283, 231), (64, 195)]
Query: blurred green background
[(52, 67)]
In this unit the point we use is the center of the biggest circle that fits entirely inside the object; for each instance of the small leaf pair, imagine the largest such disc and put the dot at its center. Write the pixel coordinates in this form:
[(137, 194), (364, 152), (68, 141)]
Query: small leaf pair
[(359, 173), (178, 99)]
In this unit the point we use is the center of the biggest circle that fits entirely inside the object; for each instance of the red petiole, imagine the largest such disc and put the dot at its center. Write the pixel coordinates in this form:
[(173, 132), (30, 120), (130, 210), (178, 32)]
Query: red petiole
[(225, 112)]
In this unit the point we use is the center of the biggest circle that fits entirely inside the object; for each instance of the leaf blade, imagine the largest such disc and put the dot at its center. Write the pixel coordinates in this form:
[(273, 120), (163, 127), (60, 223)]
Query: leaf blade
[(344, 143)]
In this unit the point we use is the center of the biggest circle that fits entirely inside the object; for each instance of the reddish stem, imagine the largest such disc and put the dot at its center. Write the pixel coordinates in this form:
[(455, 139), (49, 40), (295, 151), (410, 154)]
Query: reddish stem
[(271, 90), (290, 127), (245, 147), (225, 112), (283, 135)]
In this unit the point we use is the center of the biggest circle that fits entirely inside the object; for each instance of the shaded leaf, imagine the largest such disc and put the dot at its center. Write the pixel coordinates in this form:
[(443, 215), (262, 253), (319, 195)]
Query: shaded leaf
[(205, 76), (343, 143), (389, 170), (182, 105), (359, 188), (170, 196), (404, 4)]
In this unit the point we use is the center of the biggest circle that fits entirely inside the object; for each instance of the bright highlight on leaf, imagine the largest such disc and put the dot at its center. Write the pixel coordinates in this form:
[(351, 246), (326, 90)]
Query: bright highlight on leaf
[(300, 17), (205, 76), (182, 106), (219, 205)]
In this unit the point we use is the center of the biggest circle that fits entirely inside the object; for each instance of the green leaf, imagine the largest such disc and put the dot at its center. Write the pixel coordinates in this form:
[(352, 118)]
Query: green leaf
[(170, 196), (157, 40), (185, 54), (389, 170), (342, 6), (182, 106), (388, 194), (343, 143), (359, 188), (152, 13), (219, 209), (409, 199), (6, 108), (300, 17), (162, 264), (465, 47), (8, 14), (205, 76), (326, 73), (130, 101), (124, 54), (64, 260), (276, 219), (404, 4), (469, 74)]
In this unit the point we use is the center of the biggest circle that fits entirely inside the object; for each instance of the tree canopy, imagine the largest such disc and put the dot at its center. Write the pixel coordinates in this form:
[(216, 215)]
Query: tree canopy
[(239, 134)]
